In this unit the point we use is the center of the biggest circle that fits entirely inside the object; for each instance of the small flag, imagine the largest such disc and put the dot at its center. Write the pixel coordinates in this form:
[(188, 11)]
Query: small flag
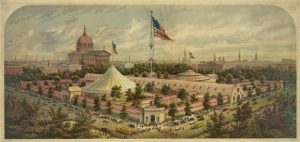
[(159, 30), (191, 55), (114, 47)]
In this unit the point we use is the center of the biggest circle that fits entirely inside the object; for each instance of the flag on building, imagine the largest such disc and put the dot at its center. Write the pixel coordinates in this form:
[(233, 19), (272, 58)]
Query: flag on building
[(114, 47), (191, 55), (159, 30)]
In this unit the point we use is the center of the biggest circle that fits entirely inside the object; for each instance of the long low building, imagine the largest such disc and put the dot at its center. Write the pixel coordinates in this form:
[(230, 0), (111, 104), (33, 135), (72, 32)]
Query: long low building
[(234, 92)]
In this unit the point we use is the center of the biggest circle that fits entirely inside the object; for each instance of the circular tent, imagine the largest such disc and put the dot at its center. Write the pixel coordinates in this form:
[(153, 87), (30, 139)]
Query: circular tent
[(190, 75), (112, 77)]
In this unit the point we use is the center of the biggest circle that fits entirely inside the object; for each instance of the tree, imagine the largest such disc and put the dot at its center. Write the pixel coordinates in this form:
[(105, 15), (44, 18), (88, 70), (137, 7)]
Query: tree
[(28, 86), (123, 113), (165, 89), (241, 78), (84, 105), (149, 87), (56, 78), (55, 126), (172, 111), (158, 74), (50, 92), (75, 101), (116, 92), (82, 84), (40, 91), (166, 75), (129, 94), (220, 100), (206, 101), (187, 109), (75, 78), (194, 98), (84, 123), (258, 91), (262, 79), (216, 127), (97, 104), (229, 78), (241, 117), (103, 98), (136, 103), (138, 91), (108, 108), (182, 94), (46, 83), (157, 101), (144, 74)]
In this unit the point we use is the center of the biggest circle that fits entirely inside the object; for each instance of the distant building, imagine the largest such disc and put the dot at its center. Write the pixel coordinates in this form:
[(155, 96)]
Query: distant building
[(13, 70), (85, 55), (72, 67), (49, 70)]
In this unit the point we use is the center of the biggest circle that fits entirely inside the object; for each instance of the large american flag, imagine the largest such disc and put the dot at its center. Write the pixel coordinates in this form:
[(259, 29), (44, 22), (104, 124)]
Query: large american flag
[(159, 30)]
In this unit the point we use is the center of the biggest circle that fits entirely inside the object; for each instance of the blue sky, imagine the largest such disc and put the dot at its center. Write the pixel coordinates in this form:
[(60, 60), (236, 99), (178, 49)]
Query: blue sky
[(51, 31)]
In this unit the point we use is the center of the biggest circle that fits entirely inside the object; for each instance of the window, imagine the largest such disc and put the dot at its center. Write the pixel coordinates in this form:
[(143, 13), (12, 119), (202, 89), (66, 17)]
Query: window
[(146, 119), (238, 89)]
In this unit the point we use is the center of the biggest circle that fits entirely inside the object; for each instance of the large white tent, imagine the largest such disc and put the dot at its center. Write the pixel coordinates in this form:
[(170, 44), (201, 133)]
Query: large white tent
[(112, 77)]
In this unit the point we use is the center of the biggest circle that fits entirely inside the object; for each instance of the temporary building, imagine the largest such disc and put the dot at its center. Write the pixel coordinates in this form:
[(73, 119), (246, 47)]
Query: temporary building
[(112, 77)]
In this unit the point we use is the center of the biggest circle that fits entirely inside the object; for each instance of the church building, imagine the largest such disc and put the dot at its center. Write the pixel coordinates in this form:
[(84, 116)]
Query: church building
[(85, 53)]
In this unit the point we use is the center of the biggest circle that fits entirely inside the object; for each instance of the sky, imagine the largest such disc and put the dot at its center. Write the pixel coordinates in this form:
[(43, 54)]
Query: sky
[(52, 31)]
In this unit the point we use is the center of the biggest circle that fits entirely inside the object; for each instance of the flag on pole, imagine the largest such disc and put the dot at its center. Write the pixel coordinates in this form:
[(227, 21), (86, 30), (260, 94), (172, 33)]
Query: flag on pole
[(114, 47), (191, 55), (159, 30)]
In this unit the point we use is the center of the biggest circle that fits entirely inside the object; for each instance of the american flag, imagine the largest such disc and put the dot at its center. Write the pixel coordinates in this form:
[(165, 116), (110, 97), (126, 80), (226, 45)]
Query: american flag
[(159, 30), (114, 47), (191, 55)]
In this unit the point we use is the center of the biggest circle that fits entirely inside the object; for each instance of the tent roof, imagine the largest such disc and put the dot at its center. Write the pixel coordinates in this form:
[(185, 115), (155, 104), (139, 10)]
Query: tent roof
[(112, 77)]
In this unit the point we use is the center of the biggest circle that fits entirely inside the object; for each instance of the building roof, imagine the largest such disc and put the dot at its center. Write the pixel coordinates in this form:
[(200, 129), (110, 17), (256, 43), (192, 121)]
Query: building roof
[(74, 88), (91, 52), (112, 77)]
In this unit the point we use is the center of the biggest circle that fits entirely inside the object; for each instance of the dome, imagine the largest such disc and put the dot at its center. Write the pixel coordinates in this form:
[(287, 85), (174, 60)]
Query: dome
[(84, 42), (190, 75)]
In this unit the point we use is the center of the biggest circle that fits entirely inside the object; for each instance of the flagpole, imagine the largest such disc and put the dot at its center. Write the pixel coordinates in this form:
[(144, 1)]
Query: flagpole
[(151, 43)]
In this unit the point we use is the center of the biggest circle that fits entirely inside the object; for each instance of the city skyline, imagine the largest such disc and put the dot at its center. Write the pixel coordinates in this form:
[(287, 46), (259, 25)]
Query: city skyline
[(54, 31)]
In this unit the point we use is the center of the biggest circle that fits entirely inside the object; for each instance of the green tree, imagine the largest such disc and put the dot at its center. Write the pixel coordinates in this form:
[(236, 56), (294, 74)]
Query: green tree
[(84, 105), (187, 109), (46, 83), (182, 95), (258, 91), (108, 109), (97, 104), (28, 86), (262, 79), (103, 98), (136, 103), (229, 78), (216, 127), (75, 101), (56, 78), (158, 74), (138, 91), (241, 78), (220, 100), (50, 92), (75, 78), (149, 87), (157, 101), (116, 92), (55, 126), (165, 89), (84, 123), (172, 111), (129, 94), (194, 98), (206, 101), (123, 113), (40, 90), (82, 84)]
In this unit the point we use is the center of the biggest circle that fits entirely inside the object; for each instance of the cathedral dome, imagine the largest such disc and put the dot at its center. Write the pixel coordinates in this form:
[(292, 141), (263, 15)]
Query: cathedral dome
[(84, 42)]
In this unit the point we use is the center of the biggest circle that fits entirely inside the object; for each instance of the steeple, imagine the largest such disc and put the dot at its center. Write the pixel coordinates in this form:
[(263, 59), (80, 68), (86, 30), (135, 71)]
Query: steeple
[(239, 55), (256, 58), (215, 57), (84, 30)]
